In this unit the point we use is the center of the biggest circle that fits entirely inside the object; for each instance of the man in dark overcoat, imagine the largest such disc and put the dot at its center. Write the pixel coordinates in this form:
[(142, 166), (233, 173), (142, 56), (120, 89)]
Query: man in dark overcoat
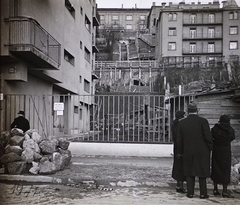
[(21, 122), (195, 143)]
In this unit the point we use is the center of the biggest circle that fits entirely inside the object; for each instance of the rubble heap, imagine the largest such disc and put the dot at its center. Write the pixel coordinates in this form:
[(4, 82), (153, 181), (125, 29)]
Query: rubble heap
[(30, 152)]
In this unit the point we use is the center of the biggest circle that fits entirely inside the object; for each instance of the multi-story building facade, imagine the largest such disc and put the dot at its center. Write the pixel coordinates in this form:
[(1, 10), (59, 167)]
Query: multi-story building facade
[(197, 32), (119, 31), (48, 48)]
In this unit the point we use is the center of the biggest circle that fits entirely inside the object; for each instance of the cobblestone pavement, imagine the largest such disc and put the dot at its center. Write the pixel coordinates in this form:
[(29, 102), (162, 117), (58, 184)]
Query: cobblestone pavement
[(11, 194), (110, 181)]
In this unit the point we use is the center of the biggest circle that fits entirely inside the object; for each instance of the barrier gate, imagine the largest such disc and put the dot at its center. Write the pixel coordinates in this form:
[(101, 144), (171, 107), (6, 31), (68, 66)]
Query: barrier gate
[(133, 118)]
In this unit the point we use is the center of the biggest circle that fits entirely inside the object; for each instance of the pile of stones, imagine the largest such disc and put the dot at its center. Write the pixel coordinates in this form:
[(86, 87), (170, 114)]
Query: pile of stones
[(29, 152), (235, 172)]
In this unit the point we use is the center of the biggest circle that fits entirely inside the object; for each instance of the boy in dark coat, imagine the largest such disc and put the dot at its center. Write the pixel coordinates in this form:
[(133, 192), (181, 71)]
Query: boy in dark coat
[(195, 143), (21, 122)]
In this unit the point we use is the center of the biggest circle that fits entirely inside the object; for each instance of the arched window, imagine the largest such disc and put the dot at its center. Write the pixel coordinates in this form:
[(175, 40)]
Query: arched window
[(211, 18), (193, 18)]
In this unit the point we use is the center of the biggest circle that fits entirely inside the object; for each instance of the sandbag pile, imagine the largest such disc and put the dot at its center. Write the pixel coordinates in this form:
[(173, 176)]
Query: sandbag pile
[(30, 153)]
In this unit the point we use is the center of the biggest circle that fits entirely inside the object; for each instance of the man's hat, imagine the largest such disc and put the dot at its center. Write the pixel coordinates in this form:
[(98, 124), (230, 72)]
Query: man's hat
[(179, 114), (192, 107), (21, 112)]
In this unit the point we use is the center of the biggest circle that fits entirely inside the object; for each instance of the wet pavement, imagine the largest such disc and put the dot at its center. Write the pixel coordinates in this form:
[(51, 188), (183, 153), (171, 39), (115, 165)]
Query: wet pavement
[(106, 180)]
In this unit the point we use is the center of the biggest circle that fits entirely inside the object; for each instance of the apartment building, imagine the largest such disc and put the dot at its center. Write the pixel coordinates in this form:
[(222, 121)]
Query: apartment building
[(197, 32), (119, 31), (47, 48)]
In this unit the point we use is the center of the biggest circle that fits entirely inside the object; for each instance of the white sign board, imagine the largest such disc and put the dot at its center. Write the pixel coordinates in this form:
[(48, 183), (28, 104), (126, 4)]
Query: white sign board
[(58, 106)]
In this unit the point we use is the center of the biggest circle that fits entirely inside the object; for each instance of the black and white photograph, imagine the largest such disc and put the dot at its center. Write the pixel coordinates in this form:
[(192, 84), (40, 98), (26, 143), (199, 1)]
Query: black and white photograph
[(119, 102)]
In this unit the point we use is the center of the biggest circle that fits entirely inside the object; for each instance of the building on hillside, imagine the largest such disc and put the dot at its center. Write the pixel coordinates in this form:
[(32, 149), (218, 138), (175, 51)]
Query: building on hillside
[(197, 32), (47, 48), (123, 35)]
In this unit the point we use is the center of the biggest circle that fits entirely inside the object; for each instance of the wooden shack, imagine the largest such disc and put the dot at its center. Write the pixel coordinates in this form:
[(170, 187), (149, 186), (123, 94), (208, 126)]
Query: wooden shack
[(213, 104)]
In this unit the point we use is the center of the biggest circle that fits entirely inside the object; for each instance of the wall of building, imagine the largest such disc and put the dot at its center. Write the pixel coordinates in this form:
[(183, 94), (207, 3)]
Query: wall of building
[(67, 25)]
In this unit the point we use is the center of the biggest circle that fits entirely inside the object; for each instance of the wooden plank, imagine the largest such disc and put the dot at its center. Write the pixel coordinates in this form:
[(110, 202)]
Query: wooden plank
[(216, 116), (230, 104), (233, 121), (214, 97), (219, 111)]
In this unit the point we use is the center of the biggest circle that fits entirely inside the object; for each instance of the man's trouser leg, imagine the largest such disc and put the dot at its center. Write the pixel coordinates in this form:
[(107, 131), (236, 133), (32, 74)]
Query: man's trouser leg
[(190, 185), (203, 186)]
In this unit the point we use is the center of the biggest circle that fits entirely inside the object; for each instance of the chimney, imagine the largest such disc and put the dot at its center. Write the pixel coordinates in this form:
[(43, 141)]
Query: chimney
[(122, 6), (135, 6), (224, 3), (153, 3), (163, 4)]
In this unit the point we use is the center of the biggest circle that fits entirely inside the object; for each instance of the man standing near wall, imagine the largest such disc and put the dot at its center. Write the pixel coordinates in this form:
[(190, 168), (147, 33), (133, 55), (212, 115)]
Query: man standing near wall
[(21, 122), (195, 143)]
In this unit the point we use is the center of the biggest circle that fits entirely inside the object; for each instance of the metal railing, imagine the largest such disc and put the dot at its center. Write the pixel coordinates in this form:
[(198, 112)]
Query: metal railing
[(201, 35), (27, 33), (128, 118), (202, 21), (202, 50)]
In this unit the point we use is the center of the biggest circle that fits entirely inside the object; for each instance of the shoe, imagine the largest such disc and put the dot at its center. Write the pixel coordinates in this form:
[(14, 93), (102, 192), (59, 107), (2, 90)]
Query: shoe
[(227, 195), (216, 192), (189, 196), (204, 196), (180, 190)]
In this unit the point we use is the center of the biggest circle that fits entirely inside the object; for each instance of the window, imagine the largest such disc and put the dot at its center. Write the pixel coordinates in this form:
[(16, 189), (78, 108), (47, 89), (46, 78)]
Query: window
[(172, 31), (129, 18), (211, 32), (81, 10), (211, 47), (102, 17), (68, 57), (172, 17), (70, 8), (115, 17), (233, 15), (233, 30), (80, 114), (80, 79), (75, 109), (142, 17), (81, 44), (87, 24), (129, 26), (193, 33), (86, 86), (193, 18), (233, 45), (86, 54), (193, 48), (211, 18), (172, 46)]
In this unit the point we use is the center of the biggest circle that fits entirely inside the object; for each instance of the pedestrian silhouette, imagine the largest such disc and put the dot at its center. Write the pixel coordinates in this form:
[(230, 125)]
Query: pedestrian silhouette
[(21, 122), (194, 141), (223, 134), (177, 170)]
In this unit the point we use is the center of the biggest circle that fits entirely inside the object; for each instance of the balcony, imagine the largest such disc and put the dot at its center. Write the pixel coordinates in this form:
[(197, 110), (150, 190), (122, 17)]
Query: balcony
[(202, 36), (96, 19), (200, 21), (29, 41), (202, 51)]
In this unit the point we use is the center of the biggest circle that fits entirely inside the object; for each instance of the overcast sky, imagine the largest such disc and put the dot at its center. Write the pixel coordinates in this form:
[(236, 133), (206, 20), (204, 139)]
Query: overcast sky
[(143, 3)]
